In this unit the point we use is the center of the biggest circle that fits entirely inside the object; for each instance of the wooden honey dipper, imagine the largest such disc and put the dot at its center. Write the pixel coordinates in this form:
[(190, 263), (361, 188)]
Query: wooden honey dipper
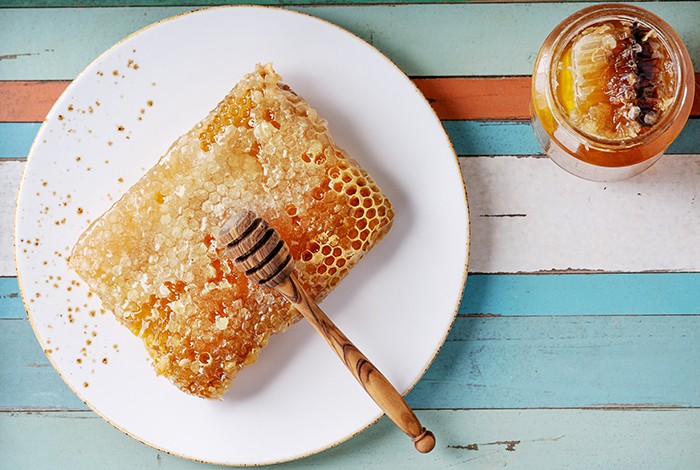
[(258, 250)]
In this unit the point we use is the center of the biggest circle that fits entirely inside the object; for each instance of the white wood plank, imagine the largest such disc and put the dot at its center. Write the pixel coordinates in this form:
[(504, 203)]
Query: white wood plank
[(530, 216), (563, 439), (10, 176)]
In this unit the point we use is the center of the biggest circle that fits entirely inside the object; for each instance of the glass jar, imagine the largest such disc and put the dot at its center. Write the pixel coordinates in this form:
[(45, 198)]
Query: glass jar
[(612, 88)]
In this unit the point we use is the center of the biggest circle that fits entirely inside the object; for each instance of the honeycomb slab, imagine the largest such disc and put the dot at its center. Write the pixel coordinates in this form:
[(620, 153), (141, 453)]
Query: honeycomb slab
[(152, 257)]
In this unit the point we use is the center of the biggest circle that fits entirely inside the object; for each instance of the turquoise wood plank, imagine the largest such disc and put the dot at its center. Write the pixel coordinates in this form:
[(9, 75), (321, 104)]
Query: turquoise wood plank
[(11, 305), (27, 379), (486, 362), (160, 3), (581, 294), (45, 44), (527, 362), (468, 138), (492, 138), (534, 294), (664, 439), (16, 138), (157, 3), (517, 138)]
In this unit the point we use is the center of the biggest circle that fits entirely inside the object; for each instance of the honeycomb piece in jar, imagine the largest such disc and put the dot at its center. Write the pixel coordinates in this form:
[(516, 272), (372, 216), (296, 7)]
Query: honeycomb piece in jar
[(152, 257), (614, 80)]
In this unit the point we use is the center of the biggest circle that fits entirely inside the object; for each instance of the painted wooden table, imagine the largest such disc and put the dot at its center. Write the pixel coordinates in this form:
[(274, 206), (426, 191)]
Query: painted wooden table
[(577, 344)]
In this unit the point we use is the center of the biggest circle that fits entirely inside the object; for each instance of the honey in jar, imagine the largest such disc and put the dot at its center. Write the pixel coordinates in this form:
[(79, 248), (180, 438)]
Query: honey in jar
[(612, 88)]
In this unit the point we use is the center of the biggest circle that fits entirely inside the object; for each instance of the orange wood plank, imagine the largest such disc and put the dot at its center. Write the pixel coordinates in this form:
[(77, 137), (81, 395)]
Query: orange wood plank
[(477, 98), (453, 98), (28, 101), (498, 98)]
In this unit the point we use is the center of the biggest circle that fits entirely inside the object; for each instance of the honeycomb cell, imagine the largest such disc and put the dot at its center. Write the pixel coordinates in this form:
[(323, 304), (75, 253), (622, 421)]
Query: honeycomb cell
[(318, 193), (334, 173)]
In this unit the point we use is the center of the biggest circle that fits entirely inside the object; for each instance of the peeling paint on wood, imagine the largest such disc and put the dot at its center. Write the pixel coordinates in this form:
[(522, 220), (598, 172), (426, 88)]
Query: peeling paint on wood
[(15, 56), (561, 439)]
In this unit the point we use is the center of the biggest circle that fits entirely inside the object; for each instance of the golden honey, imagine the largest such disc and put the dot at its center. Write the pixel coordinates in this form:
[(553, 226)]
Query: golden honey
[(612, 88), (153, 260)]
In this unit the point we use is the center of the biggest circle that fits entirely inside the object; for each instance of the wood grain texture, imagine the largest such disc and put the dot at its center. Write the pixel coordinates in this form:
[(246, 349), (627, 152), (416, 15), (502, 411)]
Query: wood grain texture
[(160, 3), (530, 362), (517, 138), (581, 294), (424, 40), (562, 293), (11, 305), (528, 215), (28, 379), (205, 3), (16, 138), (468, 138), (452, 98), (28, 101), (486, 362), (659, 439), (10, 177), (482, 98)]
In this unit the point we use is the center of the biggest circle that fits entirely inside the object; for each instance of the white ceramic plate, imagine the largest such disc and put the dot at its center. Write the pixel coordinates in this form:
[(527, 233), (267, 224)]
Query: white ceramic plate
[(115, 121)]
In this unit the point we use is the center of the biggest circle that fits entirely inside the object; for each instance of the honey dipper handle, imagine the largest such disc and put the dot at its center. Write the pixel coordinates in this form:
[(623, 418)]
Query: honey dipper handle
[(373, 381)]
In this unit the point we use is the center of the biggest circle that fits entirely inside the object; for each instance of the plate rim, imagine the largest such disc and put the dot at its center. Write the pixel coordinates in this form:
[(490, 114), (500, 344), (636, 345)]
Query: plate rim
[(443, 133)]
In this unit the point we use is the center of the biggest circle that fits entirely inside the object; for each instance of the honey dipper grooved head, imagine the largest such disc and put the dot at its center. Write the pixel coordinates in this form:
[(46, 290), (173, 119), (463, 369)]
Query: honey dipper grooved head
[(256, 249)]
